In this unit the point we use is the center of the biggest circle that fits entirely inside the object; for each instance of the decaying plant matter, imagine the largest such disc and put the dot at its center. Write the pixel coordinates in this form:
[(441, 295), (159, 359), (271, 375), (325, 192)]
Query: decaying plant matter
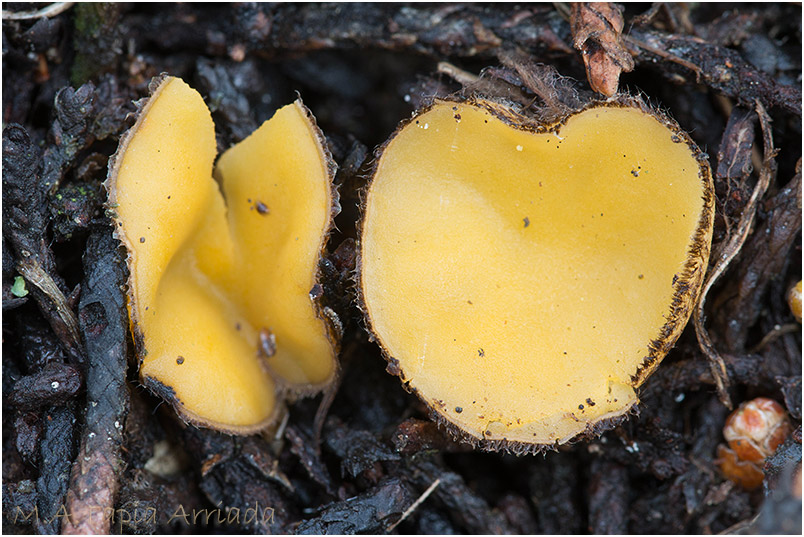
[(597, 29), (369, 460)]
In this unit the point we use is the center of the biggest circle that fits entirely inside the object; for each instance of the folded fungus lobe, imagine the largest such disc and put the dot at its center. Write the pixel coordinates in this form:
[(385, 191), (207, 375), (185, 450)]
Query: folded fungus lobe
[(221, 268)]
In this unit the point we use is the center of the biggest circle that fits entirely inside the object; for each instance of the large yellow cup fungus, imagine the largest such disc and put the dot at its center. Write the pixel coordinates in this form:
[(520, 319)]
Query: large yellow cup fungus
[(221, 272), (524, 279)]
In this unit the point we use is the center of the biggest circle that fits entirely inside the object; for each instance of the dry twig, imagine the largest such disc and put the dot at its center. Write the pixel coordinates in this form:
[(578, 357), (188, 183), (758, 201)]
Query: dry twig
[(729, 252), (48, 11), (415, 504), (95, 479), (32, 271)]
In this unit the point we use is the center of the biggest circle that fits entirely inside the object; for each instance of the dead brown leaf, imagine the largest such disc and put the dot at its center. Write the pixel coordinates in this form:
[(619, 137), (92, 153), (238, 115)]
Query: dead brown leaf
[(597, 29)]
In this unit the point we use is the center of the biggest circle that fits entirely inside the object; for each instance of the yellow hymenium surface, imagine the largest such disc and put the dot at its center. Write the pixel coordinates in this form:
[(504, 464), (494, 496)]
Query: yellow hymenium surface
[(517, 279), (218, 270)]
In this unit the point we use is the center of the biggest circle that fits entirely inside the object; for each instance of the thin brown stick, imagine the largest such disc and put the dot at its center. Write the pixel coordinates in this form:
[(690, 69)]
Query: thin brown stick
[(729, 252), (667, 56), (464, 78), (323, 409), (415, 504), (775, 334), (32, 271)]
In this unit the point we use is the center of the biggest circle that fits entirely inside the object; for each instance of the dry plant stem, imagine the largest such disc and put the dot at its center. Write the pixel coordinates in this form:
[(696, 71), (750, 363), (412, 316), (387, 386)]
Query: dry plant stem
[(48, 11), (741, 528), (728, 253), (666, 55), (458, 75), (563, 9), (473, 83), (773, 335), (415, 504), (323, 409), (280, 431), (34, 274)]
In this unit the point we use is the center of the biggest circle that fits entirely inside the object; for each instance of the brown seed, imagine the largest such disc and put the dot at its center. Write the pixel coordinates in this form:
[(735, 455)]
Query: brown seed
[(746, 474), (756, 429)]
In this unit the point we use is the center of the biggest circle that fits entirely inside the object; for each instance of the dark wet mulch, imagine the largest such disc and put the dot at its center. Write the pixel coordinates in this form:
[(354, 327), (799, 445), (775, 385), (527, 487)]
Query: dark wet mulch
[(81, 434)]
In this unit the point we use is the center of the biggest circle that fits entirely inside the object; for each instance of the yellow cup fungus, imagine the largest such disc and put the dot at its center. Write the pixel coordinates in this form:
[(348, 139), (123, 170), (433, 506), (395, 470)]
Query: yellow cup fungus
[(794, 300), (525, 279), (221, 268)]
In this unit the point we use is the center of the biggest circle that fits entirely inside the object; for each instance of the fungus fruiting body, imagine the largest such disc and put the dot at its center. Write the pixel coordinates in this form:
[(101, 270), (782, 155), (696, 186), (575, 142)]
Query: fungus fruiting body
[(219, 268), (794, 301), (525, 279)]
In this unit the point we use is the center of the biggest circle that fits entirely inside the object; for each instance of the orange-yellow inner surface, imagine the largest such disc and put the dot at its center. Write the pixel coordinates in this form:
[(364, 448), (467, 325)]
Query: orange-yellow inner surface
[(208, 275), (518, 278)]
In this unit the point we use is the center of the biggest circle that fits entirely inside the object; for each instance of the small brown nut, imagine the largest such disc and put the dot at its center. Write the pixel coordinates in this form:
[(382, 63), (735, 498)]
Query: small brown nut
[(794, 299), (746, 474), (756, 429)]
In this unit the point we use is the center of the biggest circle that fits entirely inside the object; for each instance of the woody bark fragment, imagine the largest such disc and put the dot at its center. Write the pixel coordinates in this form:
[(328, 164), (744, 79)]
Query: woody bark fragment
[(56, 450), (764, 256), (369, 512), (453, 30), (102, 315), (467, 508), (725, 253), (720, 68), (734, 166), (25, 223), (596, 31)]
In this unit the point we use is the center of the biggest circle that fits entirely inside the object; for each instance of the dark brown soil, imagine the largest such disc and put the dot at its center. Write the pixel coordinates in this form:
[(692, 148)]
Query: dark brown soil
[(81, 435)]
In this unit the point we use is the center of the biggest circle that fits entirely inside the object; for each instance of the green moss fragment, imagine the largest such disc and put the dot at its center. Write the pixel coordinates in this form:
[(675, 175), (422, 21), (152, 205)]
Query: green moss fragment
[(18, 289)]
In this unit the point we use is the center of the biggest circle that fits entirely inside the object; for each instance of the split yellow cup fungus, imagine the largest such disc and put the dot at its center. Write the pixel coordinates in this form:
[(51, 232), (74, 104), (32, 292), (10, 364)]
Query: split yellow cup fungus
[(221, 272), (525, 279)]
